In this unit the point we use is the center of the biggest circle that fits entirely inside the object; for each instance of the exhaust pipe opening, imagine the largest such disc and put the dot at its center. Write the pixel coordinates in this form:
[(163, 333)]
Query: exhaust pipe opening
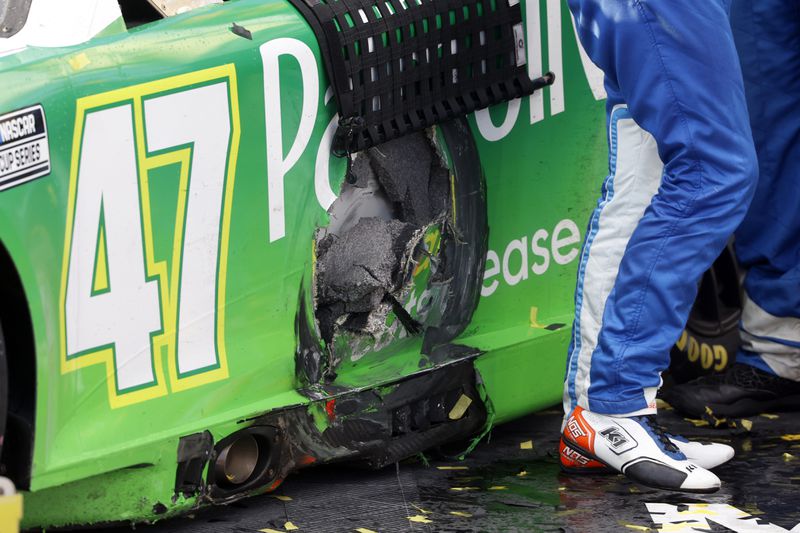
[(237, 462), (246, 460)]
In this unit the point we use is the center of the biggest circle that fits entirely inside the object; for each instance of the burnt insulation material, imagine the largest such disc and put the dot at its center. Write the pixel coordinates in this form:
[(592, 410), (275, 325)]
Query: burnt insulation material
[(403, 167), (358, 267), (361, 173), (356, 270), (392, 192), (439, 189)]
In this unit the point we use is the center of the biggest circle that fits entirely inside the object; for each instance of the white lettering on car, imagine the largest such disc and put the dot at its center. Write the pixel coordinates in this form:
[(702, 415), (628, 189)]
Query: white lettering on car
[(594, 76), (273, 54), (277, 164), (562, 245), (154, 320)]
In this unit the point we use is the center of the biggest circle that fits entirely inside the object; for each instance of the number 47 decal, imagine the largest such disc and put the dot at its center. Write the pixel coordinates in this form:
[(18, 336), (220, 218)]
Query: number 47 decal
[(122, 306)]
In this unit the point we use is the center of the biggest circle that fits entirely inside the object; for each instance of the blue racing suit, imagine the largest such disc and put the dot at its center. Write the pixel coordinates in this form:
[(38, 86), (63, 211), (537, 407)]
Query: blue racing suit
[(767, 34), (682, 173)]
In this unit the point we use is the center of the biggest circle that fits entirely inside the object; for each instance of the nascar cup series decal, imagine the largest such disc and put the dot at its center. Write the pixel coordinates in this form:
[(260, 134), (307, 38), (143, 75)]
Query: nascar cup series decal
[(24, 150)]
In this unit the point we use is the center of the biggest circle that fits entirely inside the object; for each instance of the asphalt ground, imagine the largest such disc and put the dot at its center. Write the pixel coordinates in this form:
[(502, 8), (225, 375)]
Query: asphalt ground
[(512, 483)]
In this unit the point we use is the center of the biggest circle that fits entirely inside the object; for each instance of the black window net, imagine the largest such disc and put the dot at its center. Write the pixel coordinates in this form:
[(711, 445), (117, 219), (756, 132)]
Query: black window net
[(399, 66)]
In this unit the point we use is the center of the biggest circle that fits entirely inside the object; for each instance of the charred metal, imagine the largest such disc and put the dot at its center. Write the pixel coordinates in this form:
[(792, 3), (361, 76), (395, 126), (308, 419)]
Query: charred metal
[(393, 193), (410, 221)]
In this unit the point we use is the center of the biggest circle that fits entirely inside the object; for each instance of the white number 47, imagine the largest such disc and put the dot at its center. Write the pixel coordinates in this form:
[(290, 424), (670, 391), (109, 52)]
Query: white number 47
[(121, 307)]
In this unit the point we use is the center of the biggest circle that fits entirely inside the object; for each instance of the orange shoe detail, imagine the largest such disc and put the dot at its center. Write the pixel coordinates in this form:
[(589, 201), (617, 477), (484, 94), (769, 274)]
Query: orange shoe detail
[(574, 461), (578, 431)]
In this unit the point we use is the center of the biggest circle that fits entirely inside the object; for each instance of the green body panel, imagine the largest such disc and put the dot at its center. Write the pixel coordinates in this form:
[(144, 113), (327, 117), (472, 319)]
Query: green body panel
[(539, 175), (101, 459)]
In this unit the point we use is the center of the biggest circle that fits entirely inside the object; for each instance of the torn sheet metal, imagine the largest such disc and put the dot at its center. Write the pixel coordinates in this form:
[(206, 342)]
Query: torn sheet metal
[(400, 259), (366, 262), (373, 428)]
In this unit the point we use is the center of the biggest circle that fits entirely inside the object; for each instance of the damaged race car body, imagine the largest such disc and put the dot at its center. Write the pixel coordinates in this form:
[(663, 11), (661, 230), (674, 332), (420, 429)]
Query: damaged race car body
[(200, 297)]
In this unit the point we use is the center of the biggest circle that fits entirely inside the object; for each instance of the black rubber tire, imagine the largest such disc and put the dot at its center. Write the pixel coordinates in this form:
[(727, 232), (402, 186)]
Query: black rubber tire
[(710, 340), (465, 254), (3, 390)]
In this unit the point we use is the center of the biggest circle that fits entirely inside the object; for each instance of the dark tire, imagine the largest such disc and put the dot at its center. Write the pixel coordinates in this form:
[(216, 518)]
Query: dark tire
[(710, 340), (465, 249), (3, 390)]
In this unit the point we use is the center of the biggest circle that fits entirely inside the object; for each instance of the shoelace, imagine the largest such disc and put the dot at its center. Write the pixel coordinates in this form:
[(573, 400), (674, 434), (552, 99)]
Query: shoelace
[(659, 432)]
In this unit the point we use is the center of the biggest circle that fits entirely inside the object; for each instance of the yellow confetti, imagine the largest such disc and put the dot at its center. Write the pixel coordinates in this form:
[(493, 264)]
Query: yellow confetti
[(527, 445), (79, 62), (420, 509), (662, 405), (364, 530), (634, 490), (453, 467), (268, 530), (281, 497), (790, 438), (697, 423), (461, 406), (534, 318), (681, 527), (464, 489), (460, 513), (288, 526), (637, 528), (769, 416), (788, 457), (419, 519), (522, 473), (747, 424), (747, 446), (562, 488), (498, 487)]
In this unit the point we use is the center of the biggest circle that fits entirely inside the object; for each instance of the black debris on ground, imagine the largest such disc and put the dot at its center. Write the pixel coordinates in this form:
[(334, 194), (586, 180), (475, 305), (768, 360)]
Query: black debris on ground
[(514, 484)]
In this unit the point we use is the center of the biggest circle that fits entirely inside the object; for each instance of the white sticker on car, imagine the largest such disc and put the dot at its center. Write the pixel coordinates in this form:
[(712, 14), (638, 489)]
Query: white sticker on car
[(24, 150)]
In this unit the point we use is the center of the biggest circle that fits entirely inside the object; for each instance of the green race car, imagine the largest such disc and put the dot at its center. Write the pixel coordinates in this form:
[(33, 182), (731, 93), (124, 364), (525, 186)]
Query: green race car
[(198, 298)]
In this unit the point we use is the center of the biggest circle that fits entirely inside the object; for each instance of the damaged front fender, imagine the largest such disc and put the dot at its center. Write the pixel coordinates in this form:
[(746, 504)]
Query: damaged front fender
[(396, 274)]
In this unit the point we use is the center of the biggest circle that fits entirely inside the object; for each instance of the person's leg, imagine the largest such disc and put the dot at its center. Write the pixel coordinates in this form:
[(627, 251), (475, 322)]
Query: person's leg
[(682, 171), (681, 174), (768, 241), (767, 34)]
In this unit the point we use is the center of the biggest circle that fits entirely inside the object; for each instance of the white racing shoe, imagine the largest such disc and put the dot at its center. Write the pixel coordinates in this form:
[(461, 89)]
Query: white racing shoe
[(707, 455), (638, 447)]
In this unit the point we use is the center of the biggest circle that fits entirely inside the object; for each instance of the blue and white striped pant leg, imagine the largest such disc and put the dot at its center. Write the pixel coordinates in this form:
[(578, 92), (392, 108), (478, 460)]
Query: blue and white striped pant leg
[(634, 178), (682, 171), (767, 36)]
